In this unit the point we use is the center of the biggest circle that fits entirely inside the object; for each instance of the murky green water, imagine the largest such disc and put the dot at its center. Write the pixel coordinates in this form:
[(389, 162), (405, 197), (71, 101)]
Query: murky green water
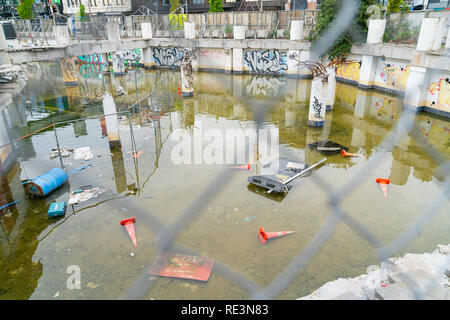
[(36, 251)]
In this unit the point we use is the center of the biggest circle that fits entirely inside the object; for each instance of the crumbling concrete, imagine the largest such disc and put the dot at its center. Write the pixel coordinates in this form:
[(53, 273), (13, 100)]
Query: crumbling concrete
[(411, 277), (12, 81)]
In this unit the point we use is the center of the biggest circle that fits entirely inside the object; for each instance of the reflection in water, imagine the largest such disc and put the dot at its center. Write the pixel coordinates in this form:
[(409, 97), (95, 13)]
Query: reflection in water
[(89, 235)]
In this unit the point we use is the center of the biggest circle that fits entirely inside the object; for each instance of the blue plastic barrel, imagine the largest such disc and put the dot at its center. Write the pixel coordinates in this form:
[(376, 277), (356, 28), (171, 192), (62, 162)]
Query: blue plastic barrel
[(46, 183)]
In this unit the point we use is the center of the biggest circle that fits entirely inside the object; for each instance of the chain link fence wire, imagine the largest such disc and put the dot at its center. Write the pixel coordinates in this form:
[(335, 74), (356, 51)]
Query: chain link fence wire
[(74, 135), (166, 234)]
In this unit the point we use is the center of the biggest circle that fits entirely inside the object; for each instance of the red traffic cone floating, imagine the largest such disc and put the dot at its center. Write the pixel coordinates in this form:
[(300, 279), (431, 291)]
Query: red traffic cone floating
[(264, 236), (247, 167), (129, 225), (383, 185), (347, 154), (179, 90), (137, 154)]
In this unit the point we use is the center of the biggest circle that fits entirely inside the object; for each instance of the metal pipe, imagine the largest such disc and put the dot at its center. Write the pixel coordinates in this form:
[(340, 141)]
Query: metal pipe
[(301, 173)]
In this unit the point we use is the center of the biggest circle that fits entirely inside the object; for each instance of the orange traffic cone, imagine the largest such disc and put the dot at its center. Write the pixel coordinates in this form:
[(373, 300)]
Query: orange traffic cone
[(247, 167), (129, 225), (179, 90), (264, 236), (383, 185), (347, 154), (137, 154)]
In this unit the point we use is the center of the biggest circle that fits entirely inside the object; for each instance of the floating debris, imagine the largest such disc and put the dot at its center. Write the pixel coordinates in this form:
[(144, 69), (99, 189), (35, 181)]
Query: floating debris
[(249, 218), (82, 195), (177, 265), (92, 285), (327, 147), (84, 153)]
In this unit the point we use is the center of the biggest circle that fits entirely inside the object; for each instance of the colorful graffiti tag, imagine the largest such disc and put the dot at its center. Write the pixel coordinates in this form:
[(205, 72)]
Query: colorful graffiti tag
[(266, 61), (91, 66), (264, 86), (349, 71), (394, 76), (439, 93), (122, 60), (168, 57), (176, 21)]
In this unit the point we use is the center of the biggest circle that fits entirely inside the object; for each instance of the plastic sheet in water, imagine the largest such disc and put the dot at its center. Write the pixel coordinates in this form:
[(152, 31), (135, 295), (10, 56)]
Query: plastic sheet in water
[(84, 195)]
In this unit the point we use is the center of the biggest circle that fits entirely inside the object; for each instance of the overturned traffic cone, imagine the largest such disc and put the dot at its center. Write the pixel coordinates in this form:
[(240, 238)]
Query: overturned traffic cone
[(247, 167), (347, 154), (129, 225), (264, 236), (137, 154), (383, 185)]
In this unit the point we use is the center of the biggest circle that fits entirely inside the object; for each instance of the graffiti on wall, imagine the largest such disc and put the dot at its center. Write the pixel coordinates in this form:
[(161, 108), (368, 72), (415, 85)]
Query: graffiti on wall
[(176, 21), (349, 71), (264, 86), (266, 61), (439, 93), (212, 58), (69, 70), (383, 108), (91, 66), (122, 60), (393, 75), (436, 133), (168, 57)]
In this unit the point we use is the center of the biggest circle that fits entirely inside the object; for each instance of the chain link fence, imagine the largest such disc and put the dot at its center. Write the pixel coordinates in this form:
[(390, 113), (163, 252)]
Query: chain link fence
[(73, 135)]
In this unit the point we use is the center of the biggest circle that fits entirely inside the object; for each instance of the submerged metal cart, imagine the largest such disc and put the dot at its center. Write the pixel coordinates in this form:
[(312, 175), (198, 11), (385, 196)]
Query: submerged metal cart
[(288, 172)]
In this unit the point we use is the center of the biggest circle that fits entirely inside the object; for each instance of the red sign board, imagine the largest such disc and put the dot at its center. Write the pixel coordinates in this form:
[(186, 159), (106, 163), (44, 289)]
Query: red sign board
[(182, 266)]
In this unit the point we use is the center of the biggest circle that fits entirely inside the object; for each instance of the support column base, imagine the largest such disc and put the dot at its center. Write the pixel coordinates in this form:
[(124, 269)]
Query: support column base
[(316, 123)]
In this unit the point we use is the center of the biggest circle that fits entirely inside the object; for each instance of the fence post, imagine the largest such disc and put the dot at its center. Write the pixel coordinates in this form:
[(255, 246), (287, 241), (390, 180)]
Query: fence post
[(59, 148)]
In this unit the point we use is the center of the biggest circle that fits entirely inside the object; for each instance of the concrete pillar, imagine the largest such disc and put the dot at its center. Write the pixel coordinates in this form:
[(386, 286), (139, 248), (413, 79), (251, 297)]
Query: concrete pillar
[(113, 31), (358, 137), (239, 32), (62, 36), (313, 135), (311, 5), (431, 34), (237, 60), (296, 30), (147, 30), (447, 43), (189, 30), (112, 124), (2, 38), (147, 57), (415, 89), (290, 117), (228, 63), (331, 91), (367, 71), (105, 62), (399, 172), (362, 104), (317, 102), (376, 30), (187, 78)]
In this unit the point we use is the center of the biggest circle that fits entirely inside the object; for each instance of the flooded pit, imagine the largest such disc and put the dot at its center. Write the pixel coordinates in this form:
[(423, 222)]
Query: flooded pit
[(215, 212)]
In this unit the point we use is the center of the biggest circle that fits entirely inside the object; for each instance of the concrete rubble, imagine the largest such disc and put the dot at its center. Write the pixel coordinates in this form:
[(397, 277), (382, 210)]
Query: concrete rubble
[(411, 277), (12, 81)]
